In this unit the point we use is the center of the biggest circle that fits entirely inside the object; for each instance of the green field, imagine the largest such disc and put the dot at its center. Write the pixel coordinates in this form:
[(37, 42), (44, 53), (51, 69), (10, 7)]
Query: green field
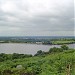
[(59, 63), (63, 42)]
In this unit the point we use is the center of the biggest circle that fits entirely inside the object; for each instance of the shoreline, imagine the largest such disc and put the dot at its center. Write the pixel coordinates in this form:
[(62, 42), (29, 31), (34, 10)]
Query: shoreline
[(33, 43)]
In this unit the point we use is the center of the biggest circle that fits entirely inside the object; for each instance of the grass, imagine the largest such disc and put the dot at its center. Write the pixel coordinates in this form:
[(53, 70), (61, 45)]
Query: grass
[(62, 42), (50, 64)]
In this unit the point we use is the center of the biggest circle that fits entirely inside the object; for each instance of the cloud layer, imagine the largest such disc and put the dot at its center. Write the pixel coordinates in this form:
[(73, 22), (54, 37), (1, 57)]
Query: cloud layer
[(36, 17)]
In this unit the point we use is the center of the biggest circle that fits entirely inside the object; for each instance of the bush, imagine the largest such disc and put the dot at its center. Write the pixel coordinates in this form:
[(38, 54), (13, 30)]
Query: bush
[(64, 47), (40, 52), (54, 49)]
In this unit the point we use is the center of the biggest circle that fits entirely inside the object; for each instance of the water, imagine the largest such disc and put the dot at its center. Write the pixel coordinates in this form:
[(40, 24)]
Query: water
[(10, 48)]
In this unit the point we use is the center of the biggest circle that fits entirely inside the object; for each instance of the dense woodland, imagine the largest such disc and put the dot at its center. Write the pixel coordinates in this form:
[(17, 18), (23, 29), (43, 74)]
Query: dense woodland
[(57, 61)]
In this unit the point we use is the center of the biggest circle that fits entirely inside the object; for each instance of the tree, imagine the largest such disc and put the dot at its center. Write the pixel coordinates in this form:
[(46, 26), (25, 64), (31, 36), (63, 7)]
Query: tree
[(55, 49), (40, 52), (64, 47)]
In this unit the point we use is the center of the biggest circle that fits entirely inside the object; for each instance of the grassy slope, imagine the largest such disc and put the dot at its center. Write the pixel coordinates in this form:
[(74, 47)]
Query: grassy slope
[(52, 64)]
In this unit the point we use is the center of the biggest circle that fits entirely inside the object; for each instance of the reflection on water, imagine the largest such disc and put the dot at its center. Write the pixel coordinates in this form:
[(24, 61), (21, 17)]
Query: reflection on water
[(26, 48)]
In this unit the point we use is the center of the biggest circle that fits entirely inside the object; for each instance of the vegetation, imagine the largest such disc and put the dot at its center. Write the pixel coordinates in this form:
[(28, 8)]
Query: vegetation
[(63, 42), (36, 40), (57, 61)]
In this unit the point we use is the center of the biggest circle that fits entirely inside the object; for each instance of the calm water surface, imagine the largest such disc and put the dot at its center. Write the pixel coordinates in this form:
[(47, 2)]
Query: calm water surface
[(10, 48)]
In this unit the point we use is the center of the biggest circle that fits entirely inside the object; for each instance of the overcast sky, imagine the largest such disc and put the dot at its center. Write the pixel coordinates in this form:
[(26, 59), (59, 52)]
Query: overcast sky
[(37, 17)]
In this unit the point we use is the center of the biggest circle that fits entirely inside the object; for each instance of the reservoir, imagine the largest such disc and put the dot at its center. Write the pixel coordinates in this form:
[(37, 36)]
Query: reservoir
[(24, 48)]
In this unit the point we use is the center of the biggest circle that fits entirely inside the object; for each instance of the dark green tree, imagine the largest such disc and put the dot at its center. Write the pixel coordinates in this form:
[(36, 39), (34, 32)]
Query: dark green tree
[(64, 47), (40, 52)]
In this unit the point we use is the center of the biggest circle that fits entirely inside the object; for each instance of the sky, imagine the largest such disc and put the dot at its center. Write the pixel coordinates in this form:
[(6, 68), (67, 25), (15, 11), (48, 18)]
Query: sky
[(37, 18)]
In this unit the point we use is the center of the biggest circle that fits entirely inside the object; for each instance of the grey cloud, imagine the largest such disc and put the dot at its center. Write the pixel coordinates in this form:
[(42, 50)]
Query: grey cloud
[(35, 23)]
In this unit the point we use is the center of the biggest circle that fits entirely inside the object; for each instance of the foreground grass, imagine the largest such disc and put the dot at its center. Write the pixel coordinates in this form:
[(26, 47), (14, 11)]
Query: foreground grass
[(62, 63)]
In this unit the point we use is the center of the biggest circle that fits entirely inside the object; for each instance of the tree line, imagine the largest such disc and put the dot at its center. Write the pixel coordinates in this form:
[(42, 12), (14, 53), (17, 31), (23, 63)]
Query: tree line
[(4, 56), (53, 50)]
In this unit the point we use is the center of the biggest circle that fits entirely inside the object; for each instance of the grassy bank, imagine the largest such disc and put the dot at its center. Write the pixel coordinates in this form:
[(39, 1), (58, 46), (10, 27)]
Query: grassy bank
[(60, 42), (59, 63)]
